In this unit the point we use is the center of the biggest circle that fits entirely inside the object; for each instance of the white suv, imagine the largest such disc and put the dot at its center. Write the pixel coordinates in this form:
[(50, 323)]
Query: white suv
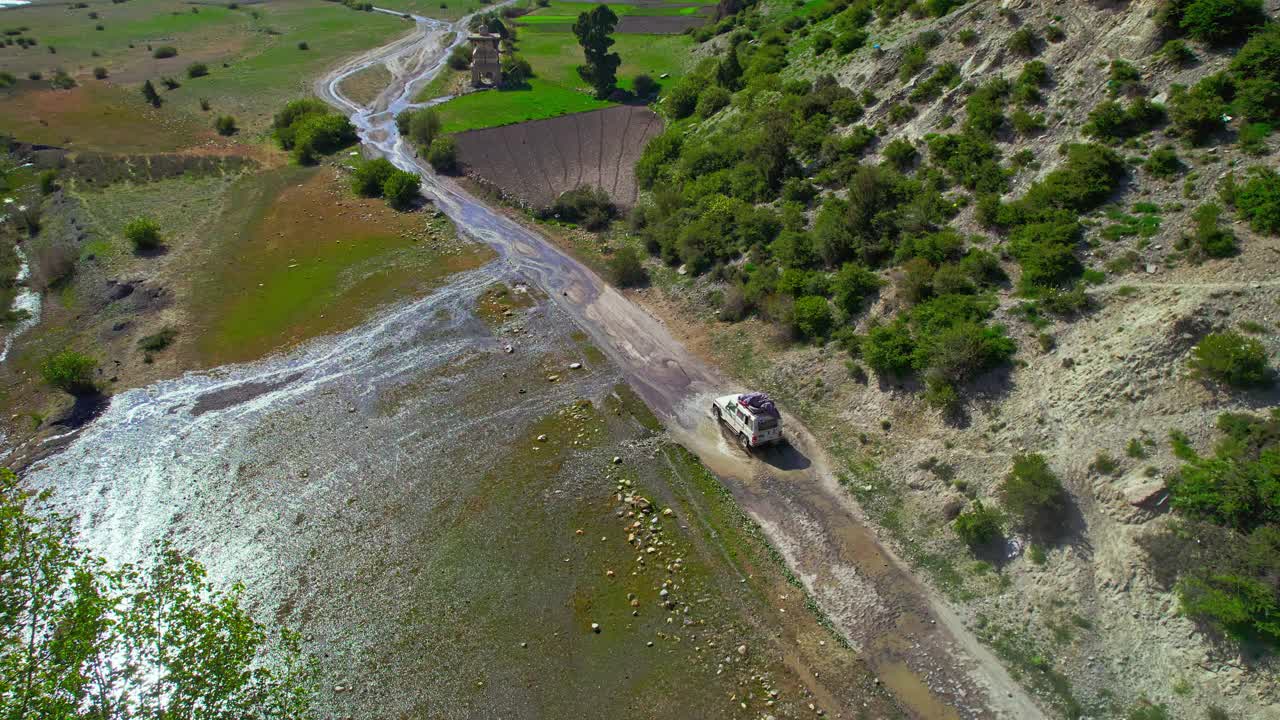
[(752, 417)]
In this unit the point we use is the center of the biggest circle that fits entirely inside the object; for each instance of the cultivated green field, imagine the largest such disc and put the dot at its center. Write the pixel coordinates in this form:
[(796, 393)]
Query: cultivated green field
[(553, 51), (254, 54)]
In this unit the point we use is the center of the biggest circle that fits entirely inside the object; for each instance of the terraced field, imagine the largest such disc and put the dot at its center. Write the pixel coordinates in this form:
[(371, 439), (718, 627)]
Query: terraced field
[(533, 162)]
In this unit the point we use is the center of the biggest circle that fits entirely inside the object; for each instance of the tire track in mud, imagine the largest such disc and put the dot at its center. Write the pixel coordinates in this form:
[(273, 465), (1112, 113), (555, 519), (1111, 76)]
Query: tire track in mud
[(617, 160)]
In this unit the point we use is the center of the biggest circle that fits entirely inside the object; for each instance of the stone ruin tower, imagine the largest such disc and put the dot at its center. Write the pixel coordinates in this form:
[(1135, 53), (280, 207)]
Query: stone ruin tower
[(486, 68)]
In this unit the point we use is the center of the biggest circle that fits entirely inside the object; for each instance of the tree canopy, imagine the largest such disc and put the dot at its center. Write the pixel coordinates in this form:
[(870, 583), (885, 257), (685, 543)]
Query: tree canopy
[(80, 639), (594, 31)]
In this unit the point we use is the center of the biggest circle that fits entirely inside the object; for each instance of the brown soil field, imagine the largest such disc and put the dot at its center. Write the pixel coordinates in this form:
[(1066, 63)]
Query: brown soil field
[(94, 116), (532, 163), (659, 24)]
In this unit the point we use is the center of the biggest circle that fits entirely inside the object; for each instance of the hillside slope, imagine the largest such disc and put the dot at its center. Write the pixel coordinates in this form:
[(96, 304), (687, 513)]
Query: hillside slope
[(838, 237)]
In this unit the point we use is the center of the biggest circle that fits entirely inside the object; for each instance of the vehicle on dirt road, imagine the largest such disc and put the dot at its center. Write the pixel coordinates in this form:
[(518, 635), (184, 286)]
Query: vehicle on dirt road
[(751, 417)]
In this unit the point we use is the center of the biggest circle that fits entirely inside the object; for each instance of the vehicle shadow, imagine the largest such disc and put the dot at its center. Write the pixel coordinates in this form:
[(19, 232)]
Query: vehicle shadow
[(783, 456)]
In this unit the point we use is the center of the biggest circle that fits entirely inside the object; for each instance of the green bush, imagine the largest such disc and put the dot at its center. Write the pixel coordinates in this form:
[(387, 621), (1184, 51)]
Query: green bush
[(1023, 42), (1176, 52), (401, 189), (143, 233), (1231, 358), (369, 176), (682, 100), (1197, 112), (1211, 239), (195, 70), (443, 154), (712, 100), (164, 51), (1033, 494), (70, 372), (1219, 22), (900, 152), (979, 526), (851, 285), (225, 125), (585, 205), (318, 135), (626, 268), (1258, 200), (888, 349), (460, 57), (48, 182), (99, 73), (1163, 163), (812, 317)]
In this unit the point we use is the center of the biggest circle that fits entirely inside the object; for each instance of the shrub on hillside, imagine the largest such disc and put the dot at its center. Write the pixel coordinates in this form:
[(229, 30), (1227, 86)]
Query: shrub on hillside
[(1258, 200), (713, 99), (1218, 22), (1163, 163), (70, 372), (195, 70), (1210, 238), (979, 526), (443, 154), (851, 285), (1224, 553), (811, 317), (99, 73), (1033, 494), (1023, 42), (369, 176), (626, 268), (1197, 112), (1231, 358), (164, 51), (401, 189), (143, 233), (888, 348)]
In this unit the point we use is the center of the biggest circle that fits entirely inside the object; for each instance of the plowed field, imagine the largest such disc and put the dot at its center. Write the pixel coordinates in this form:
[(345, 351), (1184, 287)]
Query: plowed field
[(533, 162)]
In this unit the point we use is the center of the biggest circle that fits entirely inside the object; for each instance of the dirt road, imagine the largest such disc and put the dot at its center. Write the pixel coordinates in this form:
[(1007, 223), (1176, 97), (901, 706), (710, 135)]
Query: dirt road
[(917, 647)]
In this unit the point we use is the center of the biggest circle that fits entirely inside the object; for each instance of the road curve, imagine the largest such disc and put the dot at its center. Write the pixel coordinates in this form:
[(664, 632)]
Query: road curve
[(910, 638)]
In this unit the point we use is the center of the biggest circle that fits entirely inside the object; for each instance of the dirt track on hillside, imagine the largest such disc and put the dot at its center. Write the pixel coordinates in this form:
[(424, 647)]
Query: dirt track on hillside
[(913, 642)]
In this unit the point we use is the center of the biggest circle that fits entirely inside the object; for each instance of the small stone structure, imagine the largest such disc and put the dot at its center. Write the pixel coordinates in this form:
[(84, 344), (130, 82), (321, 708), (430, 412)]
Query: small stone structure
[(486, 68)]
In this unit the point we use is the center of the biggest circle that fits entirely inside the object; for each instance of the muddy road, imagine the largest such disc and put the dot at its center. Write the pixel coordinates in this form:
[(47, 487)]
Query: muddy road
[(917, 647)]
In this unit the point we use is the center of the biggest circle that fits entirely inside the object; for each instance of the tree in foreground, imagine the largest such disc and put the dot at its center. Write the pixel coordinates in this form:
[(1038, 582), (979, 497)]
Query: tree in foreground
[(593, 30), (70, 372), (79, 639)]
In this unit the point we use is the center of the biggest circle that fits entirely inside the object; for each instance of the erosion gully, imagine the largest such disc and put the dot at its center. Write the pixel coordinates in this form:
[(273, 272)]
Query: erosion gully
[(158, 437)]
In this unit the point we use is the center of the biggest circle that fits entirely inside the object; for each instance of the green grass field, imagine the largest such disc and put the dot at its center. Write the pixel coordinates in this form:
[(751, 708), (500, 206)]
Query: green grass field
[(556, 88), (253, 53)]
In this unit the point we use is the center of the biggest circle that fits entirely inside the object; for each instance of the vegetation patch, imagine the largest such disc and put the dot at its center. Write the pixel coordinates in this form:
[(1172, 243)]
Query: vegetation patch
[(312, 261)]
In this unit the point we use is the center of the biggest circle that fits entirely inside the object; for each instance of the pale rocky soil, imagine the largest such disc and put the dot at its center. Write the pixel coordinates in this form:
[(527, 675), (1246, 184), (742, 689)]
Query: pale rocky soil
[(1116, 374)]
